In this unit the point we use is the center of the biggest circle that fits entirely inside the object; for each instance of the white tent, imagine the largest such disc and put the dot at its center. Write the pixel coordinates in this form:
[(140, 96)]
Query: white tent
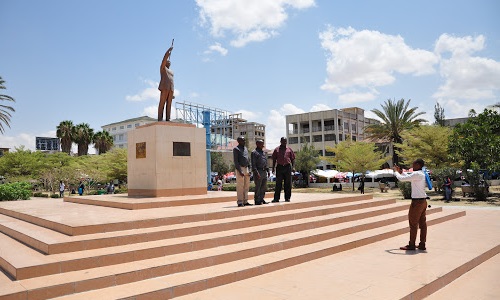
[(380, 173), (325, 173)]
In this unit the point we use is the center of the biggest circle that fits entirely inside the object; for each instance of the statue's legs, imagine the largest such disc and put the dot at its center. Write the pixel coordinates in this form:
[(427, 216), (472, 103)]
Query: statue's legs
[(166, 97), (170, 96)]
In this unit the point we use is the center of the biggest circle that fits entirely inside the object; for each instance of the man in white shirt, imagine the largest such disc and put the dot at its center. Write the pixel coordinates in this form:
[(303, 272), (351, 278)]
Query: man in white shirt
[(416, 214)]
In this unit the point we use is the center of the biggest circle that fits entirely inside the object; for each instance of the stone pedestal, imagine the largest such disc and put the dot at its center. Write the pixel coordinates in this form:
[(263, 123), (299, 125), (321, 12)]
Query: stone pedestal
[(166, 159)]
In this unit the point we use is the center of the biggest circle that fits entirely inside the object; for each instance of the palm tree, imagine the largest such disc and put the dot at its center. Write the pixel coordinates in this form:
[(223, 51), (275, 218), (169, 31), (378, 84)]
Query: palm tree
[(103, 141), (396, 117), (5, 109), (83, 135), (64, 132)]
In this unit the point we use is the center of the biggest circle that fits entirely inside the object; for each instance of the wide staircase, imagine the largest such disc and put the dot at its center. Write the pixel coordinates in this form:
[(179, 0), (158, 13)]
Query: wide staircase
[(97, 249)]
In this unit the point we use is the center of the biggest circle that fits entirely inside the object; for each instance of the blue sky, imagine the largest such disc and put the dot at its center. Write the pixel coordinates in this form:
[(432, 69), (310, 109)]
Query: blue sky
[(98, 61)]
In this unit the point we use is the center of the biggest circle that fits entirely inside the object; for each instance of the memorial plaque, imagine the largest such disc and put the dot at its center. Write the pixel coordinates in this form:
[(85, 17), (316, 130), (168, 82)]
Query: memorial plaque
[(182, 149), (140, 150)]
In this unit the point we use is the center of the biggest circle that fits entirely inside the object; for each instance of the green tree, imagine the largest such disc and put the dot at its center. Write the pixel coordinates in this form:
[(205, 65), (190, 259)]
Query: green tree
[(396, 117), (218, 164), (429, 142), (22, 164), (65, 131), (103, 142), (356, 157), (5, 110), (83, 135), (438, 114), (477, 141), (114, 164), (306, 159)]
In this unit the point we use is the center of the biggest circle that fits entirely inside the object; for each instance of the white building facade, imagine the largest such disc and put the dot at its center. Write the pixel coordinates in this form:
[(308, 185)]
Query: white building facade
[(119, 130)]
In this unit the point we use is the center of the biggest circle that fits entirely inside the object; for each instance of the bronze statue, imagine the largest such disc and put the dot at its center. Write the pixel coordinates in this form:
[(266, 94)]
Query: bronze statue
[(166, 85)]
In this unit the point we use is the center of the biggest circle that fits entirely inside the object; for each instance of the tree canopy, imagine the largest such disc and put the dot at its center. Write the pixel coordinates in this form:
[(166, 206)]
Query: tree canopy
[(396, 117), (429, 142), (49, 168), (356, 157), (477, 141), (307, 158)]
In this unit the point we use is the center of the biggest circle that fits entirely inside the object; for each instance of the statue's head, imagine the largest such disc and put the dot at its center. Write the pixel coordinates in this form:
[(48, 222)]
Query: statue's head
[(168, 64)]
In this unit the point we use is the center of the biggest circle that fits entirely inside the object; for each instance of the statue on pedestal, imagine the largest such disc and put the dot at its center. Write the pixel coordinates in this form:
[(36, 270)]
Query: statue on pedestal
[(166, 86)]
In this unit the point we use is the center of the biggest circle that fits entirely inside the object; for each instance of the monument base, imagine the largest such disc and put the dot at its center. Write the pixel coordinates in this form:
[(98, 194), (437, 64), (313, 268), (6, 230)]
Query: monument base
[(166, 159)]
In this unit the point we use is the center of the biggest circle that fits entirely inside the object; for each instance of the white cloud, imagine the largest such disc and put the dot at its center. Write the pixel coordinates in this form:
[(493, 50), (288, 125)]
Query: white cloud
[(320, 107), (368, 59), (466, 77), (150, 111), (459, 45), (355, 97), (251, 116), (454, 108), (276, 124), (151, 92), (247, 21), (217, 47)]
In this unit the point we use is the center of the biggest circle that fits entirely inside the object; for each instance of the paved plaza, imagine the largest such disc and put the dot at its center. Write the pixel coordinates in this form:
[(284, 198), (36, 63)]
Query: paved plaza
[(319, 246)]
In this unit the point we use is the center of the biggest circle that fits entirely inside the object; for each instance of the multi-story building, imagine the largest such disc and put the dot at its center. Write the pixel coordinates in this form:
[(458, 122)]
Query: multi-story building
[(3, 151), (47, 144), (235, 126), (323, 129), (119, 130)]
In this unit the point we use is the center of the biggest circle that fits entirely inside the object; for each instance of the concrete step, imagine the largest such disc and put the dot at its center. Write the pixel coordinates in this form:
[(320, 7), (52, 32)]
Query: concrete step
[(124, 202), (51, 242), (33, 263), (211, 276), (78, 219)]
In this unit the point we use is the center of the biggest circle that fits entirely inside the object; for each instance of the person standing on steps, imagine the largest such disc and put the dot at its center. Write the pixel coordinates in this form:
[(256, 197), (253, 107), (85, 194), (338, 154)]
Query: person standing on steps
[(241, 164), (416, 213), (260, 170), (283, 159)]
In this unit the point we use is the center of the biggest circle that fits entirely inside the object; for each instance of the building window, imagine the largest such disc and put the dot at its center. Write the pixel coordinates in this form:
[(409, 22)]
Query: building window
[(317, 138), (293, 140), (122, 127), (136, 124), (306, 139), (114, 129), (129, 126), (329, 153), (120, 137), (340, 138), (330, 137)]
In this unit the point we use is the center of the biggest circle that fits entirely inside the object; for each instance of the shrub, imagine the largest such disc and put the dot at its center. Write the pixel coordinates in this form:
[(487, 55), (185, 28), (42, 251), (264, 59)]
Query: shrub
[(15, 191), (405, 188), (54, 196)]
